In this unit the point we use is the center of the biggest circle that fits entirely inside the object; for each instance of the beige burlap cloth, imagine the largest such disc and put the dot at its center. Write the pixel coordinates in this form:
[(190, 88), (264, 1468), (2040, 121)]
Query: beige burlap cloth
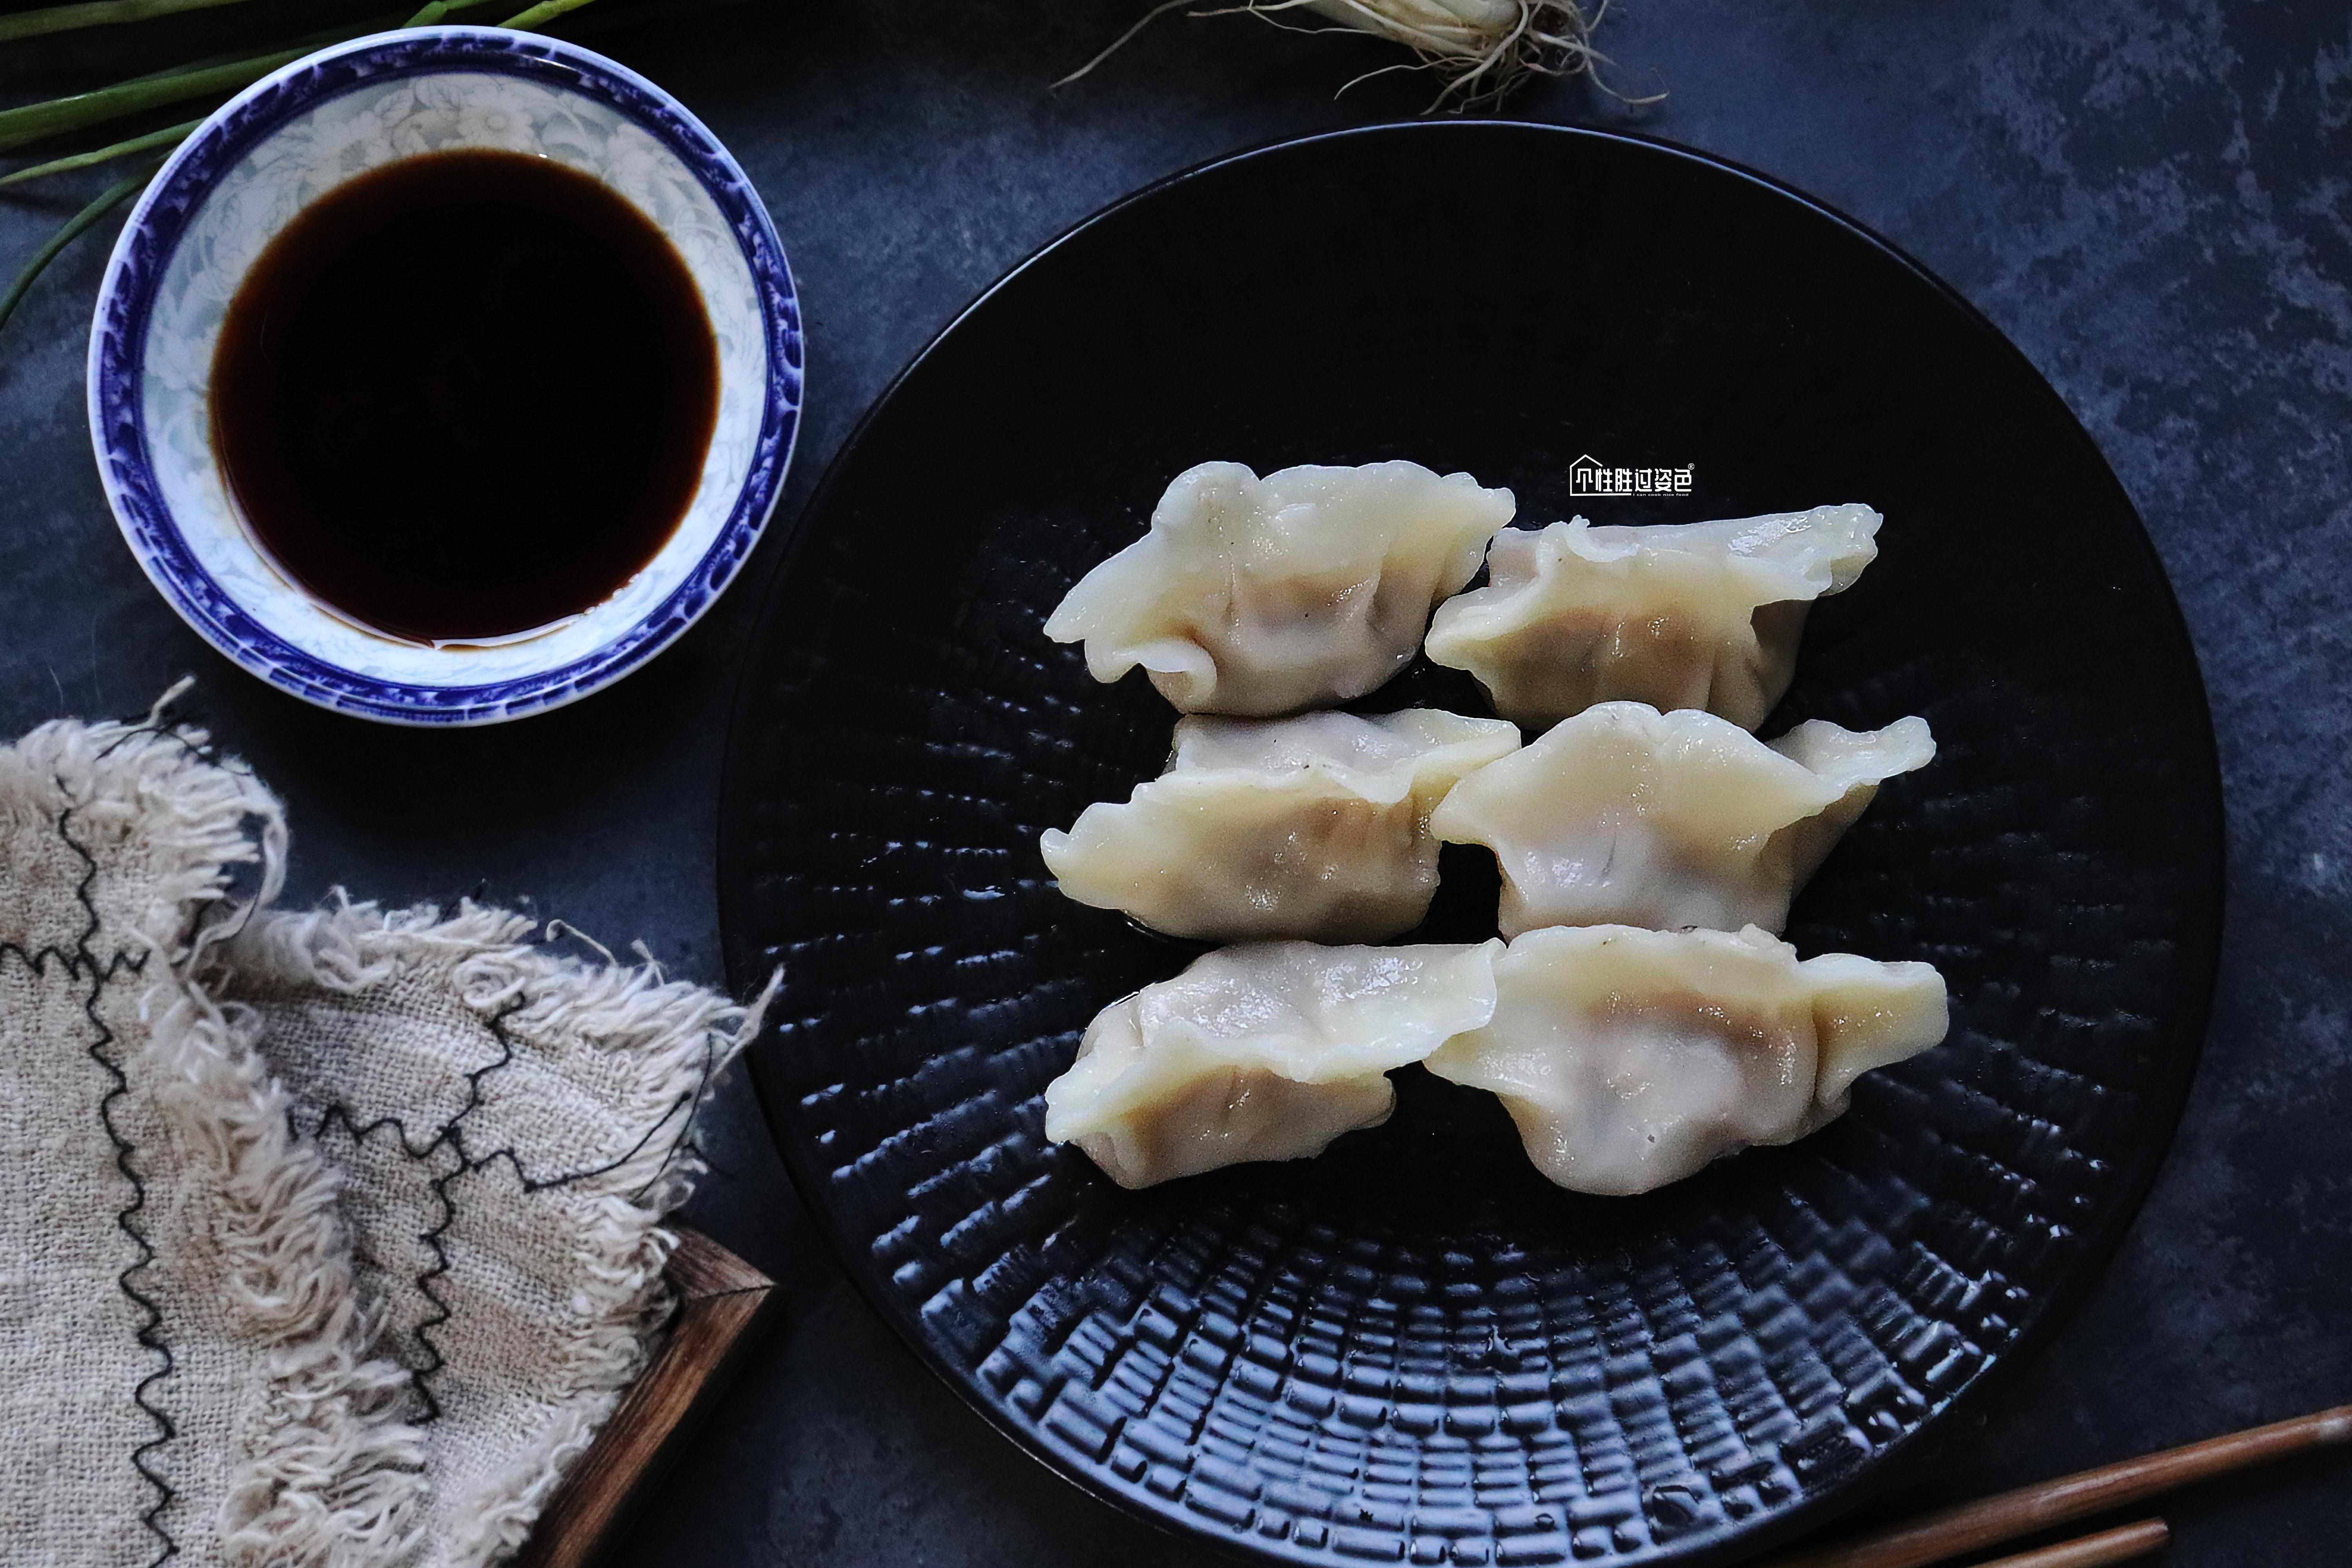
[(327, 1237)]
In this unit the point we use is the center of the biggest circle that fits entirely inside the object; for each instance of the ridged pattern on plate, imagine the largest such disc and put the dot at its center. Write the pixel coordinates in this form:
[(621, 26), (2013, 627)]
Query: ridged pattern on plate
[(1413, 1348)]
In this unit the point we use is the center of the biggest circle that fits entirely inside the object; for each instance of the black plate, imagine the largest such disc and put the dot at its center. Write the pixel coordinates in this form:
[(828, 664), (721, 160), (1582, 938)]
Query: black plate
[(1413, 1349)]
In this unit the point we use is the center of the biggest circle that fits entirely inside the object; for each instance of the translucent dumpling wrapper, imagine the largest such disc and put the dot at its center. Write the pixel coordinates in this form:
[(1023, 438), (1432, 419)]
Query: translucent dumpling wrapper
[(1262, 597), (1703, 614), (1626, 816), (1315, 826), (1630, 1058), (1261, 1052)]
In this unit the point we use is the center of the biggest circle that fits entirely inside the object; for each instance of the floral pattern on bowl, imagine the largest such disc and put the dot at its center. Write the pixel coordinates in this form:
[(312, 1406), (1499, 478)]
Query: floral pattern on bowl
[(281, 144)]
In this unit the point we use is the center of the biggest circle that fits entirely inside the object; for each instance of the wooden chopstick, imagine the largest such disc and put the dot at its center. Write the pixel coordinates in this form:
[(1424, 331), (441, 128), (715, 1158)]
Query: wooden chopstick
[(2045, 1505), (2093, 1551)]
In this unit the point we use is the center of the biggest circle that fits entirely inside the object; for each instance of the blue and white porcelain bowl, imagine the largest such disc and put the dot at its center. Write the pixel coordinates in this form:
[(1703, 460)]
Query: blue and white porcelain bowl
[(287, 139)]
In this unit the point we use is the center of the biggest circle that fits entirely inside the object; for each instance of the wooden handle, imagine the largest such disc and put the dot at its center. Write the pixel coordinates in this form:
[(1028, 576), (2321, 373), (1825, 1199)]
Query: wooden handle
[(2093, 1551), (2045, 1505)]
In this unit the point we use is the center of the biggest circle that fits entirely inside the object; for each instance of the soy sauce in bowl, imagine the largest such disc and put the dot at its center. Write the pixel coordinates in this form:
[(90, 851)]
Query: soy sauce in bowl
[(466, 395)]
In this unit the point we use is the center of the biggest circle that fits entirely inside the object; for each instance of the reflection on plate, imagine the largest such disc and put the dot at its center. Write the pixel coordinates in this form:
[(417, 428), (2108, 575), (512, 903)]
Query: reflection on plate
[(1413, 1349)]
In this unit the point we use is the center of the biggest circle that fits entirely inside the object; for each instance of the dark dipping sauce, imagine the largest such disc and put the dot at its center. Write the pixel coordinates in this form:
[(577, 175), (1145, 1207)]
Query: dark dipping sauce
[(466, 395)]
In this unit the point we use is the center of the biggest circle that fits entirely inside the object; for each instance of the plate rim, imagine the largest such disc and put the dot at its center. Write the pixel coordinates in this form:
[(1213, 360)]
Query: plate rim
[(1888, 1468)]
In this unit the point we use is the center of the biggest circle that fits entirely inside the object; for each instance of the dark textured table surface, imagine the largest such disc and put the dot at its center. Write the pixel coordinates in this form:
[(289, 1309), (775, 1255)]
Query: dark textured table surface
[(2154, 200)]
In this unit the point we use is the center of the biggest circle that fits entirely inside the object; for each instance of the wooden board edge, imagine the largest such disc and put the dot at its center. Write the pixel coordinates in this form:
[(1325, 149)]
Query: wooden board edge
[(721, 1301), (699, 1266)]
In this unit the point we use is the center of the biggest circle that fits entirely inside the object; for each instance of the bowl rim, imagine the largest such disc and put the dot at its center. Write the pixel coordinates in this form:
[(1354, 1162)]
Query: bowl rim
[(144, 249)]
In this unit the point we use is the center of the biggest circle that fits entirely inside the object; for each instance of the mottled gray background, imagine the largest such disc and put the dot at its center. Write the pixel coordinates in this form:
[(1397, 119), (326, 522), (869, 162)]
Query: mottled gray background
[(2155, 201)]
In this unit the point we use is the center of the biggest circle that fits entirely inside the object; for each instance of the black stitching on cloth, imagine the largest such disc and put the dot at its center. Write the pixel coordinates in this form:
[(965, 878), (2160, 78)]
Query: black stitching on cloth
[(448, 1135), (338, 1113), (451, 1135), (685, 1143), (79, 961), (171, 730)]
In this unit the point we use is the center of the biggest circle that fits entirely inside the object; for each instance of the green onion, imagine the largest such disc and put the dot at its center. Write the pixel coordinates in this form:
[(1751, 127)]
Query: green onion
[(440, 8), (113, 196), (170, 136), (308, 41), (215, 75), (544, 11), (93, 14), (35, 120)]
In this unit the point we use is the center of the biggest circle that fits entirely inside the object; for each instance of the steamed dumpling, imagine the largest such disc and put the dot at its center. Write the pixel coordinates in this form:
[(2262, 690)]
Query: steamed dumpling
[(1299, 590), (1626, 816), (1630, 1058), (1315, 826), (1702, 615), (1265, 1052)]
